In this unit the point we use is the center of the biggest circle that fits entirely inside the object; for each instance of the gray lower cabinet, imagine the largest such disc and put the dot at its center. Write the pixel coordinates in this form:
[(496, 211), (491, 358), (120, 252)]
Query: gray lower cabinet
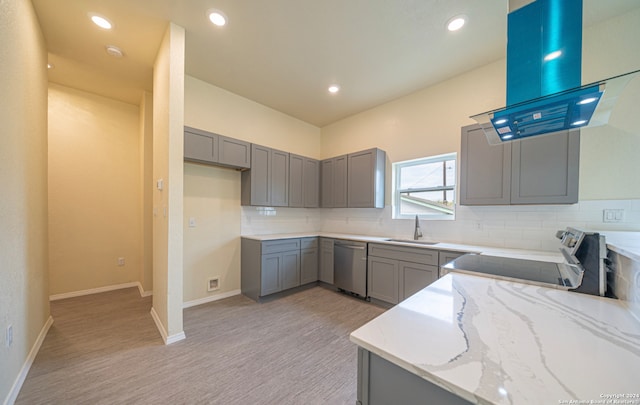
[(382, 279), (304, 182), (445, 257), (269, 267), (397, 272), (365, 174), (267, 183), (333, 177), (325, 273), (308, 260), (209, 148), (413, 277), (543, 170), (381, 382)]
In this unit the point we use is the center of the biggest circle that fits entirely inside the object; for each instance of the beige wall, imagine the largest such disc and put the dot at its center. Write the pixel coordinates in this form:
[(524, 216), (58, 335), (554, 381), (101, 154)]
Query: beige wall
[(213, 109), (428, 122), (212, 195), (168, 122), (24, 283), (146, 190), (94, 191)]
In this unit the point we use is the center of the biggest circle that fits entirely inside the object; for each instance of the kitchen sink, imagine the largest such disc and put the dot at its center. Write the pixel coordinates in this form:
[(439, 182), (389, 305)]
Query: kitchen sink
[(419, 242)]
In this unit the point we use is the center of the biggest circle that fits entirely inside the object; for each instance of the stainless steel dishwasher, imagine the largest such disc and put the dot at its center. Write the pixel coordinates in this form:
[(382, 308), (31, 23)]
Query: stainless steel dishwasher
[(350, 266)]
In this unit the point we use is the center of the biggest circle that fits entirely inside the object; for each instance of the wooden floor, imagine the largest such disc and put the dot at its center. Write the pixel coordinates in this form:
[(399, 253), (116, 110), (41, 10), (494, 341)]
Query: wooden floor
[(105, 349)]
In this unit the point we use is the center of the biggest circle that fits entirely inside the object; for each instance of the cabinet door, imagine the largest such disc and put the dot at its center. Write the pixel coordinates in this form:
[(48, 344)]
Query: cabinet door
[(326, 260), (447, 256), (545, 169), (340, 182), (382, 279), (260, 175), (414, 277), (270, 281), (200, 146), (311, 184), (290, 269), (279, 178), (296, 181), (485, 170), (234, 152), (326, 183), (308, 266)]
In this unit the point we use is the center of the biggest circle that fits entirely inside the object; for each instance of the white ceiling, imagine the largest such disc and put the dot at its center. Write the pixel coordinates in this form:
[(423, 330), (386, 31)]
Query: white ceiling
[(285, 53)]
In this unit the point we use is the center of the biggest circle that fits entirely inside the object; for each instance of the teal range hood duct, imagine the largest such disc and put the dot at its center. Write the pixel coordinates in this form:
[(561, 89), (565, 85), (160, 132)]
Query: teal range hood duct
[(544, 64)]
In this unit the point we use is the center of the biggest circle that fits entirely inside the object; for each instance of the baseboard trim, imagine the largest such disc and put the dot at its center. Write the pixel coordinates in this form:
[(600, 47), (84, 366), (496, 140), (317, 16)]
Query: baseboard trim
[(212, 298), (17, 385), (98, 290), (167, 339)]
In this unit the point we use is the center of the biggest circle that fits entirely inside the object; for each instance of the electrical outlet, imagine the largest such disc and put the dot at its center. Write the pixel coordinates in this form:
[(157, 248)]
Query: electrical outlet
[(9, 337), (213, 284), (192, 222), (120, 261)]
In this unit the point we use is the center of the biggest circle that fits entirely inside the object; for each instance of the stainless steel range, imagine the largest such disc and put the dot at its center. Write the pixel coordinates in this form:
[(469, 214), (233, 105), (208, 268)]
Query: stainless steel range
[(583, 270)]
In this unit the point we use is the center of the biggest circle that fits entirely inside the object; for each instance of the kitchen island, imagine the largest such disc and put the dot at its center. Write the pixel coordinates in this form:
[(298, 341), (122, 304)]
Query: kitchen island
[(491, 341)]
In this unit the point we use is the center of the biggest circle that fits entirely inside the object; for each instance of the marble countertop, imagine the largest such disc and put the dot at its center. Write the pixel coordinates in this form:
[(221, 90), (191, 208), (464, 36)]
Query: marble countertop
[(501, 342), (624, 243), (545, 256)]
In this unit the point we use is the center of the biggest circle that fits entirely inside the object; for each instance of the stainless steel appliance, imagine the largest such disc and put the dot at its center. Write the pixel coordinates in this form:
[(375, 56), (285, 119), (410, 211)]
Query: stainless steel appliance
[(350, 266), (584, 269)]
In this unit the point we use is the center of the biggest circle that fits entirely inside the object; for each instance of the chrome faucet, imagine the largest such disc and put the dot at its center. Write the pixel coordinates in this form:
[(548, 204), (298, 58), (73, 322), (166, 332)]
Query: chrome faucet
[(417, 233)]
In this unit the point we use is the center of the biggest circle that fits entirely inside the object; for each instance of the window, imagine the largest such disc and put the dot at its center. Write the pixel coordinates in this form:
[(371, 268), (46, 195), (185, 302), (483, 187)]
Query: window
[(425, 187)]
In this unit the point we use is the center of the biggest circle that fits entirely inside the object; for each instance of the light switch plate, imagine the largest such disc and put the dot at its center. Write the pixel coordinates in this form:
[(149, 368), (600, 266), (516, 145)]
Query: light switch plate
[(613, 215)]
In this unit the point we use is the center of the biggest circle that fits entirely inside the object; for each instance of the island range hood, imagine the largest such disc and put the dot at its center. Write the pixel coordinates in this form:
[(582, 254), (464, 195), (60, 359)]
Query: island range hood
[(544, 75)]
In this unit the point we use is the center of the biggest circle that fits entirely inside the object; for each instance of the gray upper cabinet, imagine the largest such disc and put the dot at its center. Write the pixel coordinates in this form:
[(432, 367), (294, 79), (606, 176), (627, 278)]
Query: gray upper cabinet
[(366, 172), (206, 147), (545, 170), (279, 178), (542, 170), (233, 152), (311, 175), (485, 170), (355, 180), (304, 182), (267, 183), (200, 146), (334, 182)]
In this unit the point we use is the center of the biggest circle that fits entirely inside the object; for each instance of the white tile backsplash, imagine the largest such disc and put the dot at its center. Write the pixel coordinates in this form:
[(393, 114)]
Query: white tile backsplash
[(526, 226)]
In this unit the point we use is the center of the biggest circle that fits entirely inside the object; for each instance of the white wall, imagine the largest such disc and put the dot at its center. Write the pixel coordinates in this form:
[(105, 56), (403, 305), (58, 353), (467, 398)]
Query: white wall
[(212, 195), (94, 191), (168, 122), (24, 282)]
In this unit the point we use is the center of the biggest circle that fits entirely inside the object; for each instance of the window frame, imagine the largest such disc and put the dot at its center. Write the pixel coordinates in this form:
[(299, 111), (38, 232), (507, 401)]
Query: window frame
[(396, 192)]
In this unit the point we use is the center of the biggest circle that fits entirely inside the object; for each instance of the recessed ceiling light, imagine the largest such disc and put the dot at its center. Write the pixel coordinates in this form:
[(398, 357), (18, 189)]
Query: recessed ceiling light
[(587, 100), (508, 136), (578, 123), (217, 17), (500, 121), (49, 65), (457, 22), (553, 55), (101, 22), (334, 88), (114, 51)]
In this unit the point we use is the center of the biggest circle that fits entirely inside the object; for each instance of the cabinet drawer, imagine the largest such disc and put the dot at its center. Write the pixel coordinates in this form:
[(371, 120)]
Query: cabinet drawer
[(280, 245), (308, 243), (447, 256), (407, 254)]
